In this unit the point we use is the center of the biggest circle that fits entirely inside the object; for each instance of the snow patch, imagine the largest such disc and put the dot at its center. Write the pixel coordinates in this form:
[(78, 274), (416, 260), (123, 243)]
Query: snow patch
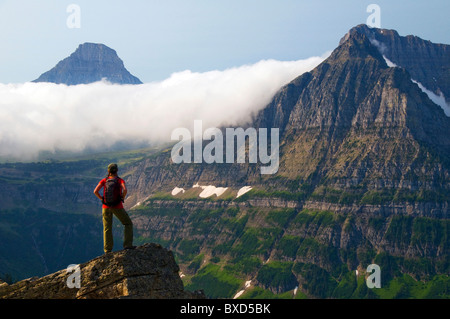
[(139, 203), (238, 294), (437, 99), (177, 190), (382, 49), (246, 286), (243, 190), (390, 63), (210, 190)]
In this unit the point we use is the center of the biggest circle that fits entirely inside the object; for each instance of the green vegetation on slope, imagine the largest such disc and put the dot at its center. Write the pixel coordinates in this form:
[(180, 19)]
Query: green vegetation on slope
[(280, 249)]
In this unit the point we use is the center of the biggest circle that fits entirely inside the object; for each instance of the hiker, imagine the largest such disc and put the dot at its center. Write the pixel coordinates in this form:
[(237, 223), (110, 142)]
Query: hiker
[(114, 192)]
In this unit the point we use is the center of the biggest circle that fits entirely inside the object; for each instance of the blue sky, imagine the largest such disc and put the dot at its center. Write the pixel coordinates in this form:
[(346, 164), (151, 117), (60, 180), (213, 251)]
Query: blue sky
[(157, 38)]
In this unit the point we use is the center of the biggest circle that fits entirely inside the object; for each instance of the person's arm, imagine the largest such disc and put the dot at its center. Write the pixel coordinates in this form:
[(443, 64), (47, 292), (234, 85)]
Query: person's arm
[(124, 190), (97, 191)]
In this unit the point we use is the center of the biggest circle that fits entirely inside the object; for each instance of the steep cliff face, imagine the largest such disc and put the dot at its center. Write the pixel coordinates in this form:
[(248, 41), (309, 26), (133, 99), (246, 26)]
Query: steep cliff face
[(149, 271), (91, 62), (352, 124), (355, 120), (363, 178), (427, 62), (277, 244)]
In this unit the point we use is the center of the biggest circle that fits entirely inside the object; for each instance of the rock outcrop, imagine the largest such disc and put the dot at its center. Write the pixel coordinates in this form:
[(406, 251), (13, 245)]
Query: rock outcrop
[(91, 62), (149, 271)]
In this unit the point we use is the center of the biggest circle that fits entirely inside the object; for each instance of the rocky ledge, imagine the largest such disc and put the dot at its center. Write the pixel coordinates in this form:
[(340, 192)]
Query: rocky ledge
[(149, 271)]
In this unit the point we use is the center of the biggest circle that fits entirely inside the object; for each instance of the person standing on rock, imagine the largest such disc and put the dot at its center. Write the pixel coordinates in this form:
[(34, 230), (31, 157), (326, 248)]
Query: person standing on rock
[(114, 193)]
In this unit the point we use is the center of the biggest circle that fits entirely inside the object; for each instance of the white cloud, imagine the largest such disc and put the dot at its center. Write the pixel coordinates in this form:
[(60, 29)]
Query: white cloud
[(46, 116)]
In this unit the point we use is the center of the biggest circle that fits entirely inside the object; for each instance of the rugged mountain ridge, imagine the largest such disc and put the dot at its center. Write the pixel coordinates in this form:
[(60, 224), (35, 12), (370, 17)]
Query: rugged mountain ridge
[(91, 62), (363, 178), (354, 119), (427, 62), (353, 122)]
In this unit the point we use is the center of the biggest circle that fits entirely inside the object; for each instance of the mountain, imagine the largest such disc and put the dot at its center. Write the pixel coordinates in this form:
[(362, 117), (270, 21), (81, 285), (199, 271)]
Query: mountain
[(356, 122), (352, 128), (363, 179), (149, 271), (91, 62), (426, 62)]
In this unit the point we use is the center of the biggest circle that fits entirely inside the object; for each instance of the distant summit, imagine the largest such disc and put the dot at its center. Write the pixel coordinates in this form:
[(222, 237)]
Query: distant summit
[(91, 62)]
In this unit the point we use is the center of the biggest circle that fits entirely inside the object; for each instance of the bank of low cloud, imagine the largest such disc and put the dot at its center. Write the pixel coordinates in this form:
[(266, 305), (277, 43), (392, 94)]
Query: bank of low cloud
[(38, 117)]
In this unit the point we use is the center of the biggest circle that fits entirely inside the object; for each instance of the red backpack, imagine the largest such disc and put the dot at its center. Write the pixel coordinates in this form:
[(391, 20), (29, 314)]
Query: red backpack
[(112, 192)]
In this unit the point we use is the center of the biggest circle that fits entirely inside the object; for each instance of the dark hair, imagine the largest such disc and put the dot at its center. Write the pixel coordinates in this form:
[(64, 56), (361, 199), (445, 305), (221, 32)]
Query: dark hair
[(112, 169)]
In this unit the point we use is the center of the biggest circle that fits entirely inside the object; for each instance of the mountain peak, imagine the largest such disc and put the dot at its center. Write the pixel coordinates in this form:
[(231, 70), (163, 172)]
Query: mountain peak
[(95, 52), (355, 98), (91, 62), (368, 32), (356, 45), (428, 63)]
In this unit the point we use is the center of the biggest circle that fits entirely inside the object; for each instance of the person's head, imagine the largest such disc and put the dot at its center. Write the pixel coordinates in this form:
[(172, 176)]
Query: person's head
[(112, 169)]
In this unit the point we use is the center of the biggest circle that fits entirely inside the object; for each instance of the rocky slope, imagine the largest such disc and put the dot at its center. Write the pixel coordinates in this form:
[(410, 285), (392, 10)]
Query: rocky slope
[(363, 178), (427, 62), (354, 121), (91, 62), (353, 124), (231, 242), (149, 271)]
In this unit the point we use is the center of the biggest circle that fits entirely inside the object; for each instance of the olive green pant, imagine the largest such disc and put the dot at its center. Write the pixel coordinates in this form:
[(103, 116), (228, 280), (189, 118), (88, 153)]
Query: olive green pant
[(122, 215)]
